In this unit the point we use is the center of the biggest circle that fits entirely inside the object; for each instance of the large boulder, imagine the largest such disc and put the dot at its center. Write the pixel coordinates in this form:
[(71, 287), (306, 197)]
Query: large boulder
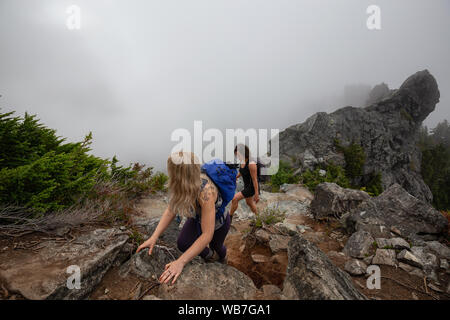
[(359, 244), (44, 274), (333, 200), (395, 207), (312, 276), (209, 281), (386, 130)]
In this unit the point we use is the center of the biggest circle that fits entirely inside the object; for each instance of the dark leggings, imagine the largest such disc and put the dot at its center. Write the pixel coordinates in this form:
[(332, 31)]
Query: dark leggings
[(192, 230)]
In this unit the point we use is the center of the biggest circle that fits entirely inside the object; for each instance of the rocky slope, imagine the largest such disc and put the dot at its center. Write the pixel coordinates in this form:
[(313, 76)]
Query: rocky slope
[(386, 130)]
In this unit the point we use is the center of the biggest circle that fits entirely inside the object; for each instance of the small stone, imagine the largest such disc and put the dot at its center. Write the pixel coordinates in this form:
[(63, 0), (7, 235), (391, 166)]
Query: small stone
[(286, 228), (439, 248), (278, 243), (242, 248), (411, 270), (106, 291), (322, 173), (259, 258), (414, 296), (355, 267), (444, 264), (271, 290), (359, 244), (409, 258), (122, 228), (262, 235), (385, 257), (394, 243), (368, 260), (396, 231)]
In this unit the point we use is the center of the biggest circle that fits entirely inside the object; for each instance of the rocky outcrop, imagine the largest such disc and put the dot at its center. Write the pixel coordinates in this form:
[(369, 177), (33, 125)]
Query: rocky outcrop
[(395, 207), (386, 130), (312, 276), (212, 281), (333, 200), (44, 275)]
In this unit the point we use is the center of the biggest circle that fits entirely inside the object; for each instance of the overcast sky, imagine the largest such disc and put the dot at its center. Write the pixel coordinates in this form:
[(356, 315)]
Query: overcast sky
[(139, 69)]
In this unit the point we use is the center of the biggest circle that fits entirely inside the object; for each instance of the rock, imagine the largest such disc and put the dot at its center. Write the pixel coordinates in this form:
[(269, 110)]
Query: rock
[(301, 193), (312, 276), (151, 297), (260, 258), (386, 130), (444, 264), (359, 244), (286, 228), (271, 292), (385, 256), (396, 207), (262, 235), (149, 266), (411, 270), (278, 243), (355, 267), (368, 260), (439, 248), (43, 275), (333, 200), (170, 235), (209, 281), (394, 243), (429, 260), (409, 258)]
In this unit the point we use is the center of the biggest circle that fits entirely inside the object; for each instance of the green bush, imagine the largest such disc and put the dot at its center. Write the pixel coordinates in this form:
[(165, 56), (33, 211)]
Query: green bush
[(39, 171), (334, 174), (269, 217), (284, 175), (436, 174)]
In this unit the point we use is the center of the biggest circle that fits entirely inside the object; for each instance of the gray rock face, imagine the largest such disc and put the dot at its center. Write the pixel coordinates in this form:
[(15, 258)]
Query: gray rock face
[(333, 200), (312, 276), (355, 267), (211, 281), (359, 244), (394, 243), (44, 275), (386, 130), (439, 248), (385, 256), (149, 266), (395, 207)]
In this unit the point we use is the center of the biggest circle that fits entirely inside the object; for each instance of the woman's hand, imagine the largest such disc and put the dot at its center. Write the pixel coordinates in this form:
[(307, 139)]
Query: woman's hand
[(150, 243), (256, 198), (173, 270)]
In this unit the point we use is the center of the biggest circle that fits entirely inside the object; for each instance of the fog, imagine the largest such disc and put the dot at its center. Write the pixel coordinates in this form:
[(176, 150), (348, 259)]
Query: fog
[(139, 69)]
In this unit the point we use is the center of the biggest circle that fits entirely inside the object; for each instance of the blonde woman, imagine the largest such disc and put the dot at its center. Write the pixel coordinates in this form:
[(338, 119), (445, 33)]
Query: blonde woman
[(193, 195)]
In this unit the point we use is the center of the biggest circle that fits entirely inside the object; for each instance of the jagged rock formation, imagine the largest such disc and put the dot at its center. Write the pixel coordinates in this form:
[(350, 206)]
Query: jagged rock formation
[(386, 130), (312, 276), (333, 200), (396, 208)]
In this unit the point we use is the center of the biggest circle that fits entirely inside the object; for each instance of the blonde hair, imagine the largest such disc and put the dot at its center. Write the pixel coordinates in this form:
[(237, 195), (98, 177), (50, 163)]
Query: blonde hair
[(184, 183)]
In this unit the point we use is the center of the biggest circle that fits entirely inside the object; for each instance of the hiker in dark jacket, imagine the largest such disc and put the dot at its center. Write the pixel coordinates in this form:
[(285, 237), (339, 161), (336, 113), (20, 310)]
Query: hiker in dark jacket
[(248, 170), (194, 196)]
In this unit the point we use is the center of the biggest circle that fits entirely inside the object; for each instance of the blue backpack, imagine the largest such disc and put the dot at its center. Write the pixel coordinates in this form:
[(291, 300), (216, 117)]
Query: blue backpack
[(224, 177)]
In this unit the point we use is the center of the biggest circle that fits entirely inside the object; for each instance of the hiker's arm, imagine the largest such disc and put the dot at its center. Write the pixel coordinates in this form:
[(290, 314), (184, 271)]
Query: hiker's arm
[(254, 173), (208, 220), (166, 219)]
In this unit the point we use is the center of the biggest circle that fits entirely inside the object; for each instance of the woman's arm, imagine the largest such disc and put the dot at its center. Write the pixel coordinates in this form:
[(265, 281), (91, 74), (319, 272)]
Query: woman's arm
[(207, 202), (254, 174), (166, 219)]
